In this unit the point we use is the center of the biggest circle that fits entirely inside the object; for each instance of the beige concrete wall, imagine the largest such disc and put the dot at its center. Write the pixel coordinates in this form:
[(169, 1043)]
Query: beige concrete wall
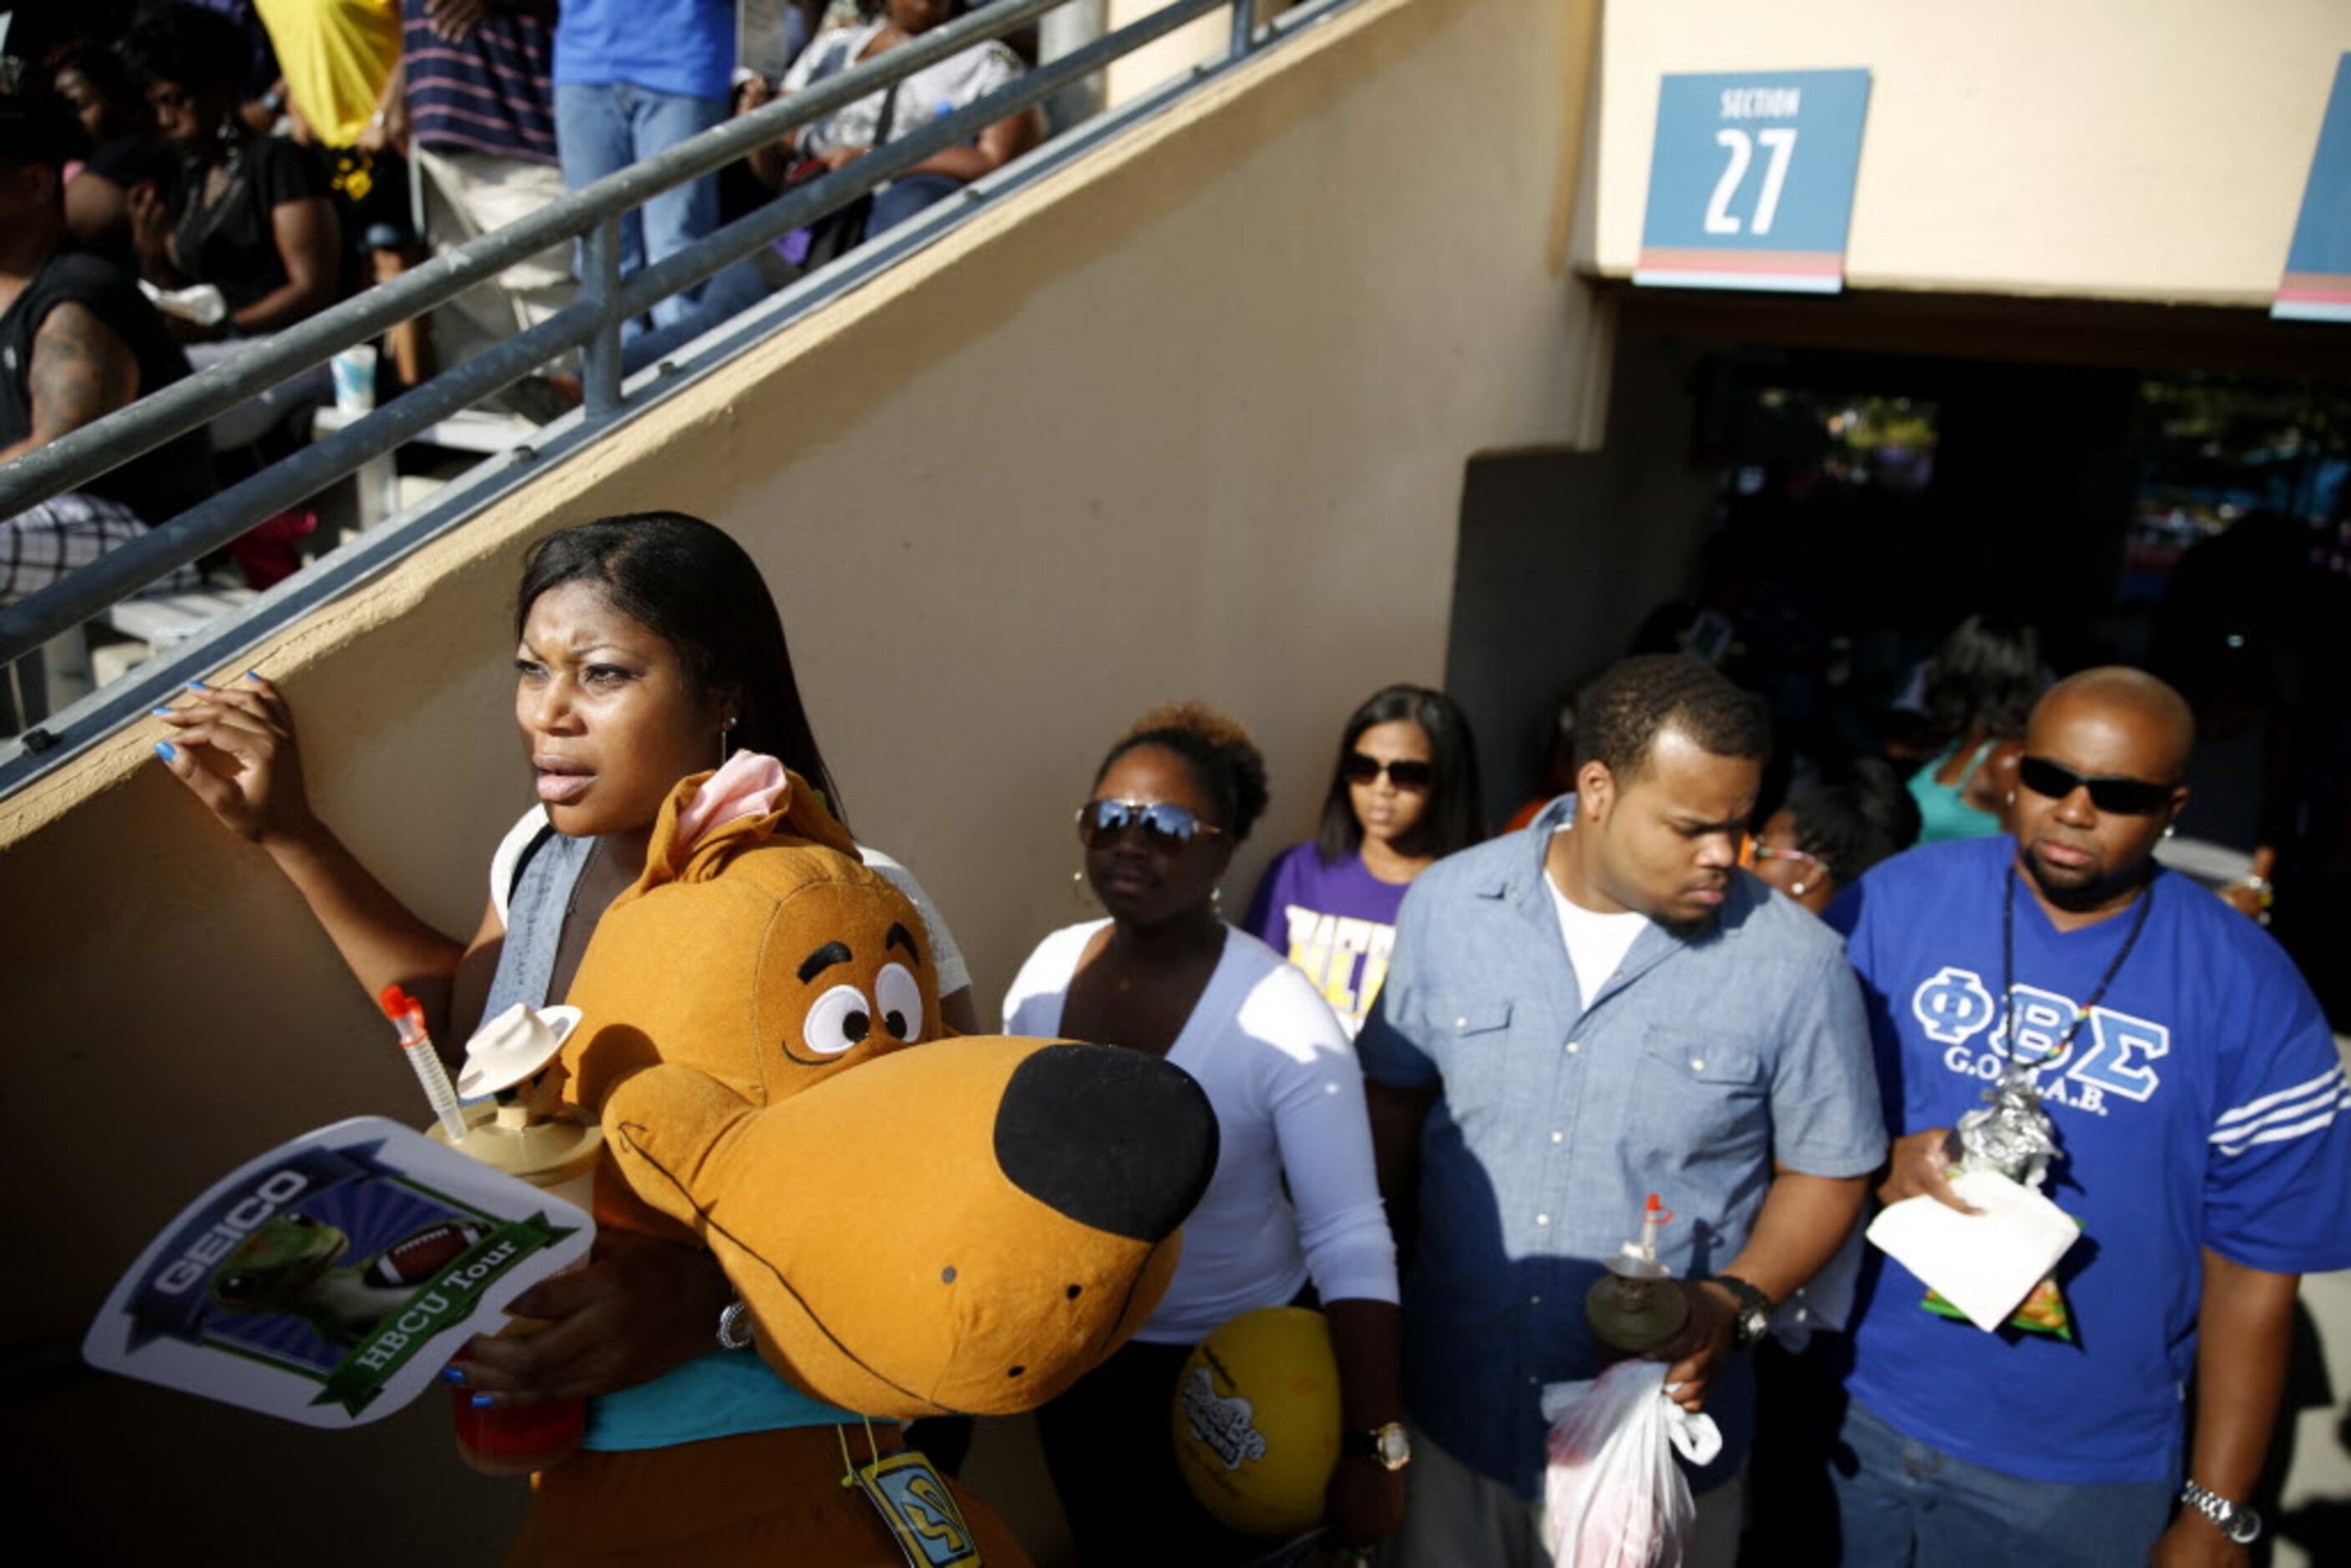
[(1191, 421), (2105, 148), (1563, 554), (1197, 41)]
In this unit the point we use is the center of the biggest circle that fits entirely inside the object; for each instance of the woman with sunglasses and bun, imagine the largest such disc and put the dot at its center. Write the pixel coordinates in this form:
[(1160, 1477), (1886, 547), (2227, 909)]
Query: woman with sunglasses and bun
[(1402, 795), (1295, 1200)]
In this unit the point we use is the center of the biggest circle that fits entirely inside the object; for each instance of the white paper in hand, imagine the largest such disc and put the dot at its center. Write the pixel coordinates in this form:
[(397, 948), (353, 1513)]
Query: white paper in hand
[(1983, 1264)]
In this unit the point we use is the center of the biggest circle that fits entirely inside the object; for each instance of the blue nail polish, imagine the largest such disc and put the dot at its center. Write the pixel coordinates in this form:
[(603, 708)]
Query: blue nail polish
[(166, 750), (198, 686), (454, 1375), (161, 712), (481, 1402), (251, 676)]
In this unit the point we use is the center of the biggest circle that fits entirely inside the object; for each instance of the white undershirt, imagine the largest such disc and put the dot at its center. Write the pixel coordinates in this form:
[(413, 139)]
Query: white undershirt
[(1596, 942)]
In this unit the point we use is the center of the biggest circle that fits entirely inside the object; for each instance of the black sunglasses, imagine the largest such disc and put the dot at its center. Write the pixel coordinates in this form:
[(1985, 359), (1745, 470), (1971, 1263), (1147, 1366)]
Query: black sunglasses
[(1406, 773), (1165, 827), (2122, 797)]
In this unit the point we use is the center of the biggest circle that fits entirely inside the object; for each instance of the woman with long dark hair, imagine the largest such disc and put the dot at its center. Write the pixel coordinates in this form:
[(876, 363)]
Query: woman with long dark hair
[(648, 650), (1293, 1199), (1404, 793)]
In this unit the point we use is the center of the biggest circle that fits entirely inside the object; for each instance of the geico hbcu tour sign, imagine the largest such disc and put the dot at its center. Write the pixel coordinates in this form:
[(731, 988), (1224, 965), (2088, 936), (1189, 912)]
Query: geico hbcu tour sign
[(1751, 181), (329, 1280), (2317, 282)]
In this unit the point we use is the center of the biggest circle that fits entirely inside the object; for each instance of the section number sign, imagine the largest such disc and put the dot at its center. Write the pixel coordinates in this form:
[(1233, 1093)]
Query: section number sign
[(1750, 182), (2317, 282)]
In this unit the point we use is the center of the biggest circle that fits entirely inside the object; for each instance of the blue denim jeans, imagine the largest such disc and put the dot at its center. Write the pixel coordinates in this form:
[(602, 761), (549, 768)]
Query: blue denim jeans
[(1900, 1502), (739, 288), (906, 196), (602, 128)]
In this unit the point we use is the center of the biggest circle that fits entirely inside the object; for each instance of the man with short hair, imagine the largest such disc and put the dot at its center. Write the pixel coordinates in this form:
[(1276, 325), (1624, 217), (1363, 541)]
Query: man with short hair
[(1599, 1008), (2198, 1102), (77, 341)]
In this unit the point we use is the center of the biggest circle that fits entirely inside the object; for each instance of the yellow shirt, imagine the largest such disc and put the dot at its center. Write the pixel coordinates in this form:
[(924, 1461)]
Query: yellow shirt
[(336, 55)]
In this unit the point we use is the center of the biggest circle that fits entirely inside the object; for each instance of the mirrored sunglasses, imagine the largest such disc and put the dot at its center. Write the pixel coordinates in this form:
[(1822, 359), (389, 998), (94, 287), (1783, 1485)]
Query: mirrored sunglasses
[(1408, 773), (1165, 827), (2122, 797)]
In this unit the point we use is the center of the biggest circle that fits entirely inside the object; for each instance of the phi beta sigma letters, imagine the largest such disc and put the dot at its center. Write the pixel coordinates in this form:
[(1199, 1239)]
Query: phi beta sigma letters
[(2114, 1053), (329, 1280)]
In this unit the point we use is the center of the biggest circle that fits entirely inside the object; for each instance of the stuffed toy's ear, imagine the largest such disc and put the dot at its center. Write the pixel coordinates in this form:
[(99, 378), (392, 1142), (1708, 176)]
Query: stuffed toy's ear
[(710, 817)]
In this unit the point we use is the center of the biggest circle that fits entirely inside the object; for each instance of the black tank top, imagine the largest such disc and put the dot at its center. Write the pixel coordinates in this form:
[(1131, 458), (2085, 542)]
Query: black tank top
[(159, 484)]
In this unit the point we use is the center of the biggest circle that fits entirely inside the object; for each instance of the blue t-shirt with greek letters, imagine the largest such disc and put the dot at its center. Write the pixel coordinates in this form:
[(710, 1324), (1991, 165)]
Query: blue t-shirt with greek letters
[(2202, 1103)]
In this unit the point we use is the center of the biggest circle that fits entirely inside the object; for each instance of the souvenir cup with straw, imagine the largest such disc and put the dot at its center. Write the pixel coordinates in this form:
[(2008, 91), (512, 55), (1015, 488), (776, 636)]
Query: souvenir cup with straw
[(1637, 1309), (517, 1124)]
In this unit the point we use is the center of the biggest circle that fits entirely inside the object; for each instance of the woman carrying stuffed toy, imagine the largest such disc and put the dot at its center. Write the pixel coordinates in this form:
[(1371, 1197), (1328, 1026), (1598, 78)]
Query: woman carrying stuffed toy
[(649, 649)]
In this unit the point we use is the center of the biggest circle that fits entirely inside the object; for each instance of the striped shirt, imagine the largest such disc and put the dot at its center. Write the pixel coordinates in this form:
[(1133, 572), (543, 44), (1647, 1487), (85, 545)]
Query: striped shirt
[(489, 93)]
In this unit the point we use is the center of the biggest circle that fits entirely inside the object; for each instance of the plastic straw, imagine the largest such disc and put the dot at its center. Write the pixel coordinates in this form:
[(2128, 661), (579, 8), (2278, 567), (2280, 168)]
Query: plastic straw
[(407, 1016), (1655, 1215)]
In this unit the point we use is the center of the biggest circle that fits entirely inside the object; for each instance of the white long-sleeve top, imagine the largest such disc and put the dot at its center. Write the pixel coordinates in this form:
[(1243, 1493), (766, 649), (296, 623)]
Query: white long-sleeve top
[(1289, 1097)]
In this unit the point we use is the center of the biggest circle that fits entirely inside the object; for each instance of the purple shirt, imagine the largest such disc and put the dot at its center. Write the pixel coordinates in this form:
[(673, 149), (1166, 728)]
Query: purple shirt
[(1335, 922)]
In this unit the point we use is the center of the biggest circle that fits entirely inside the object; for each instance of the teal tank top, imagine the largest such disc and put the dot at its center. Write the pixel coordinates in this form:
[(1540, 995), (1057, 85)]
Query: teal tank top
[(1943, 811), (716, 1396)]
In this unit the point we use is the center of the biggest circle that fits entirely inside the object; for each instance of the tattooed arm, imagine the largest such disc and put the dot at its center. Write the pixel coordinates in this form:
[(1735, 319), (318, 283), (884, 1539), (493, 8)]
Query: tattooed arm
[(81, 370)]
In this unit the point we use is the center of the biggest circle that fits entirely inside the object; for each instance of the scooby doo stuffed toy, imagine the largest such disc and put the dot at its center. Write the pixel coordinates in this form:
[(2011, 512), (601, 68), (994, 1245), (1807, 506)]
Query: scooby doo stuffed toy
[(965, 1226)]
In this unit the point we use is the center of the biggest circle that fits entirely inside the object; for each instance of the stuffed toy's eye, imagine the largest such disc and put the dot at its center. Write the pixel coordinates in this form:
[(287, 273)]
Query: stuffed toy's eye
[(838, 1020), (902, 1001)]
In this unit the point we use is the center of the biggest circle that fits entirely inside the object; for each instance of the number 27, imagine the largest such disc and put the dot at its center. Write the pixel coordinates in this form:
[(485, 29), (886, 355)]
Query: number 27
[(1782, 141)]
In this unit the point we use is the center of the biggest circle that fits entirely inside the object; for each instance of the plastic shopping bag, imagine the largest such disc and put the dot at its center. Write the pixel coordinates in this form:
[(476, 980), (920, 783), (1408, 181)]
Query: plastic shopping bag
[(1614, 1497)]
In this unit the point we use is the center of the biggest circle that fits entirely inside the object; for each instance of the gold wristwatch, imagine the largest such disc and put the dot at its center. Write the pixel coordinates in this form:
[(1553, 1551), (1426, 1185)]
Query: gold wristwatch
[(1386, 1444)]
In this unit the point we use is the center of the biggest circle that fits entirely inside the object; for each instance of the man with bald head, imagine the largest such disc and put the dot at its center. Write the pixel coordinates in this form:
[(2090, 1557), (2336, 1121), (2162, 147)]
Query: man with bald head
[(2204, 1127)]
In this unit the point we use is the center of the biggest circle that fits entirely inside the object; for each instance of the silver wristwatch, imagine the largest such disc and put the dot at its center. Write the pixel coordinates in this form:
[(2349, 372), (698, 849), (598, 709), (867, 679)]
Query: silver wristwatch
[(735, 1327), (2234, 1520)]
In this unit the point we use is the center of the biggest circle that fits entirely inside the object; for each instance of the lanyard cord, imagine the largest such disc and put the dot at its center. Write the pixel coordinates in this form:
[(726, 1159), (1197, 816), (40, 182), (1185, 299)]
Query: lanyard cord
[(2008, 971)]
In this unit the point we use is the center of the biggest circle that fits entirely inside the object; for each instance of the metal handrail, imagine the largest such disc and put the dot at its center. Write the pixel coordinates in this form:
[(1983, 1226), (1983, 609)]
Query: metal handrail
[(57, 741), (591, 323)]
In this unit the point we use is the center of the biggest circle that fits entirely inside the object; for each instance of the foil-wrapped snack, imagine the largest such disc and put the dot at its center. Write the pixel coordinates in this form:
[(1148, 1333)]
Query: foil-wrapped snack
[(2013, 1134)]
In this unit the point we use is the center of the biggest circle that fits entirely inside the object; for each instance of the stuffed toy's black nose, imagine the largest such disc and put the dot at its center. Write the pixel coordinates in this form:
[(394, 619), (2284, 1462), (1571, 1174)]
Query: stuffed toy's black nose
[(1112, 1139)]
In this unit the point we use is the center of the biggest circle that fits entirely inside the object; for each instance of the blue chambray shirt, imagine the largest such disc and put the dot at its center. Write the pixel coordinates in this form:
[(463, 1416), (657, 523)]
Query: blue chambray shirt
[(1701, 1062)]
